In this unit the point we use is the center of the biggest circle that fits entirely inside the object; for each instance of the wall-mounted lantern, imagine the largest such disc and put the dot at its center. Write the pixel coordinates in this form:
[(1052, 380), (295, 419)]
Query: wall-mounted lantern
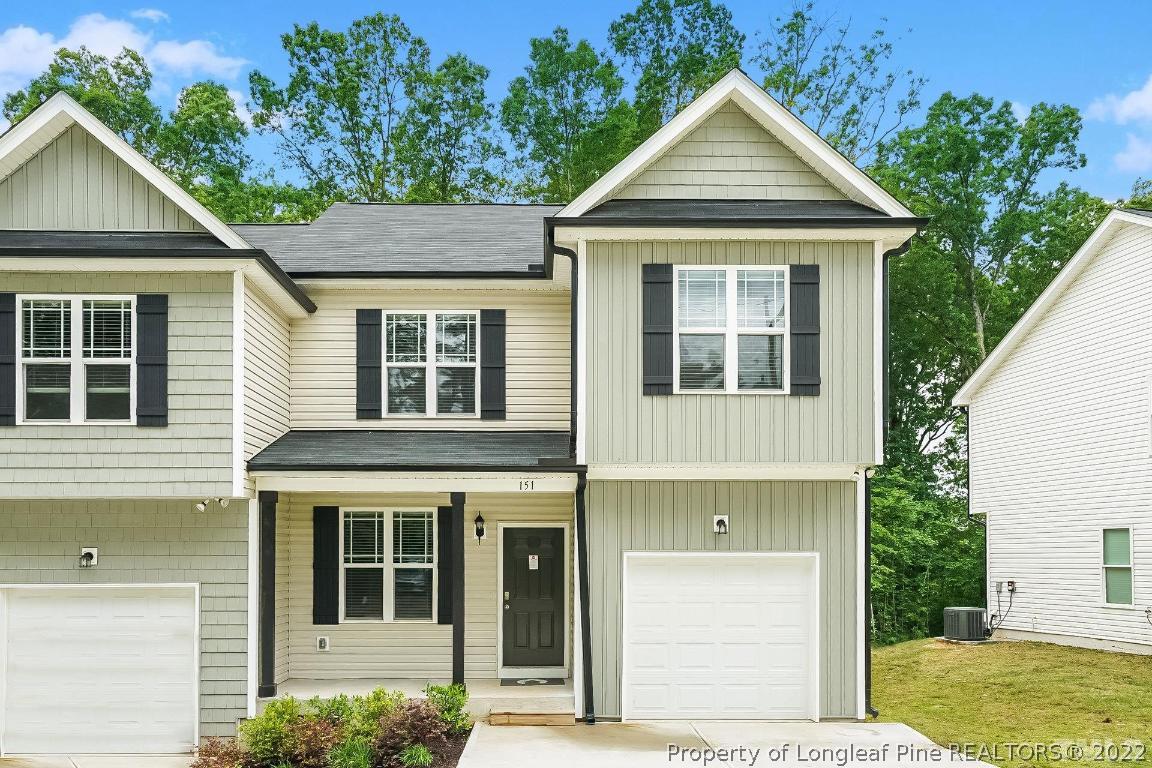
[(479, 522)]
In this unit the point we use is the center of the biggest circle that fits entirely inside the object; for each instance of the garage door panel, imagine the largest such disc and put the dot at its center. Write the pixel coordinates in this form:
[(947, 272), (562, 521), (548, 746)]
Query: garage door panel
[(100, 669), (719, 636)]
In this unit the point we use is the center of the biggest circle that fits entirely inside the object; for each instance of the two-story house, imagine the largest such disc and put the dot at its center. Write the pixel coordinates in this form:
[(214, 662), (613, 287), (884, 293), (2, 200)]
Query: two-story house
[(620, 446)]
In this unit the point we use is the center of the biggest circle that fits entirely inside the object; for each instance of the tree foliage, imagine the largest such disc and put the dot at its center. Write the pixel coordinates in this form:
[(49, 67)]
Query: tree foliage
[(677, 49), (850, 93), (566, 118)]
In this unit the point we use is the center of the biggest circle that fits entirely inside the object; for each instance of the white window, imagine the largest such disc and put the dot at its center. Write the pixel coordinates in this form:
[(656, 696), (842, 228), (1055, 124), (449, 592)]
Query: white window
[(731, 328), (77, 361), (1117, 566), (389, 565), (430, 361)]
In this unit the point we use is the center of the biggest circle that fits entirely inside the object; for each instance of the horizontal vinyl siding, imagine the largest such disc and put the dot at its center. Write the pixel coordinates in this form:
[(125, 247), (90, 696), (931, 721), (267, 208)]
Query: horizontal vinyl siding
[(730, 156), (76, 183), (763, 517), (148, 541), (192, 456), (267, 357), (625, 426), (401, 649), (538, 359), (1061, 447)]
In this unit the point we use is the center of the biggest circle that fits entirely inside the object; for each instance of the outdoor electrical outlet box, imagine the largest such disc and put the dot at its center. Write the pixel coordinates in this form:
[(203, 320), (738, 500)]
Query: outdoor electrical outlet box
[(89, 557), (999, 587), (720, 524), (1011, 586), (322, 643)]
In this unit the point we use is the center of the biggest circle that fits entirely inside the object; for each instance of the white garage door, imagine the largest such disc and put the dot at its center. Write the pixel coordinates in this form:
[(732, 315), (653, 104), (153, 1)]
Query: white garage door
[(99, 669), (720, 636)]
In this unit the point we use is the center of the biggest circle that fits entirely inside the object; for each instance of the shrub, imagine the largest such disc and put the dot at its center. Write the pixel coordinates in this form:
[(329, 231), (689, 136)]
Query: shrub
[(366, 712), (312, 738), (337, 709), (269, 737), (221, 753), (417, 722), (416, 756), (449, 701), (355, 752)]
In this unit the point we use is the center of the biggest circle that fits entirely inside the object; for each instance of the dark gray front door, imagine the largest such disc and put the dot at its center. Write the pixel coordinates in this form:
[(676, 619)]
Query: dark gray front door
[(533, 597)]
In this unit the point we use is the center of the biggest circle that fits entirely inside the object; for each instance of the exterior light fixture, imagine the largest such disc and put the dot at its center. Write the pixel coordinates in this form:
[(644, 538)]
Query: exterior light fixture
[(223, 503), (479, 522), (203, 505)]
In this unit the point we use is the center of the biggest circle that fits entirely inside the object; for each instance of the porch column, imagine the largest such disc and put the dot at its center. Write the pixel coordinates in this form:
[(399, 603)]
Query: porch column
[(458, 587), (267, 606), (585, 613)]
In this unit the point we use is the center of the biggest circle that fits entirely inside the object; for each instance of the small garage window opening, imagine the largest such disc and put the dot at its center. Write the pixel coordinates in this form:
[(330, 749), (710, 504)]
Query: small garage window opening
[(431, 360), (77, 362), (1117, 566), (389, 565), (731, 326)]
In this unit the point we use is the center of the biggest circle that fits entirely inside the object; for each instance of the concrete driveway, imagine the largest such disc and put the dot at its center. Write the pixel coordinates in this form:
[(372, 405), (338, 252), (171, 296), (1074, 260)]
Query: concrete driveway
[(712, 744), (97, 761)]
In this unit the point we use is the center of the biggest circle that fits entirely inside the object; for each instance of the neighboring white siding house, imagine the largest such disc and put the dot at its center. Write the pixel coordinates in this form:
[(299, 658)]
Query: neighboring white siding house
[(1061, 450)]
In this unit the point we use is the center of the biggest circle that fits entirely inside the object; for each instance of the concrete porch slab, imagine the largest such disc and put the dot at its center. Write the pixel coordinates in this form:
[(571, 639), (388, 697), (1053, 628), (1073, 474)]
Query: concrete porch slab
[(96, 761)]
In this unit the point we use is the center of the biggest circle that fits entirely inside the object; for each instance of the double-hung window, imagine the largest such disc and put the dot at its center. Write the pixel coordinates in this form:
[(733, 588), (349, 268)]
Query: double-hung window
[(431, 363), (76, 358), (1117, 566), (731, 329), (389, 565)]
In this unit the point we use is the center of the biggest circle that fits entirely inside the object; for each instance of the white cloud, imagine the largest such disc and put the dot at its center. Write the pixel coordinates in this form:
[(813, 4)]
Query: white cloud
[(154, 15), (194, 56), (1134, 106), (1136, 157), (26, 52), (1020, 111), (241, 102)]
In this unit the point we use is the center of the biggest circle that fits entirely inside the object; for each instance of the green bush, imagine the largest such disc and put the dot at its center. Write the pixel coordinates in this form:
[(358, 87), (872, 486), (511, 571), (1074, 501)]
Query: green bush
[(354, 752), (337, 709), (416, 756), (417, 722), (269, 737), (366, 712), (450, 701)]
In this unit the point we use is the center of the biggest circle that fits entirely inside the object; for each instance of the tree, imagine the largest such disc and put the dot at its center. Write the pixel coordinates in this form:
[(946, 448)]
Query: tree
[(115, 90), (678, 49), (849, 93), (994, 243), (566, 118), (203, 137), (444, 149)]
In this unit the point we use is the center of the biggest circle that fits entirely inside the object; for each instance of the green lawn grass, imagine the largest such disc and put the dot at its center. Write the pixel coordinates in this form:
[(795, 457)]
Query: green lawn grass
[(1003, 693)]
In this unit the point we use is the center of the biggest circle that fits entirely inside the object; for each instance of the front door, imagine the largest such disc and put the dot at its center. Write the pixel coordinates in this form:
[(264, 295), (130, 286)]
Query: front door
[(533, 602)]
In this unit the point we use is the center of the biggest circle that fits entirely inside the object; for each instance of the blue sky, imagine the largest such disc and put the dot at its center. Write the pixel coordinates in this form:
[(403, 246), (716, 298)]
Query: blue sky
[(1093, 56)]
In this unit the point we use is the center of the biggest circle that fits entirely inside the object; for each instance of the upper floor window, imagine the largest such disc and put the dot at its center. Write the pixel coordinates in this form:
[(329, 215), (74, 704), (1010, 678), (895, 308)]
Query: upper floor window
[(430, 361), (76, 358), (731, 328), (1117, 561)]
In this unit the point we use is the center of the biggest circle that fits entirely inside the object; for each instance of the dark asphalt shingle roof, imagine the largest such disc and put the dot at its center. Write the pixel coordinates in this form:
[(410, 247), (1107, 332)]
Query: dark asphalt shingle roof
[(403, 449), (110, 241), (351, 239)]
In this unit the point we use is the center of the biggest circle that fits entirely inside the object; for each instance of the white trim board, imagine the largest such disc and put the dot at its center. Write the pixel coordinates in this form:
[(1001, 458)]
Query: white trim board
[(1096, 241), (414, 482), (58, 113), (569, 560), (788, 129), (703, 471)]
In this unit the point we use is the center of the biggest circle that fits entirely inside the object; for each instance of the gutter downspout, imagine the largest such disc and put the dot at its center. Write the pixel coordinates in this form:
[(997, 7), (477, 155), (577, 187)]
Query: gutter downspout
[(585, 619)]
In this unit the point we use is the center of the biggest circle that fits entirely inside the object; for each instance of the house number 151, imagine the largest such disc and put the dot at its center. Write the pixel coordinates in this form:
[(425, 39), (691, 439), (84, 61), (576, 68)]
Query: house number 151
[(527, 485)]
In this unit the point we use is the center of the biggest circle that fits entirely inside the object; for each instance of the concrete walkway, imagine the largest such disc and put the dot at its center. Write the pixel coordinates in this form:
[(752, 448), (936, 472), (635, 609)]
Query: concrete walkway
[(712, 744), (97, 761)]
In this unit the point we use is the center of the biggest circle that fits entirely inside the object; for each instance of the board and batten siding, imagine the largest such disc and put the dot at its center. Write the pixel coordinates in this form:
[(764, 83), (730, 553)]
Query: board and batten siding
[(1061, 447), (538, 360), (400, 649), (776, 516), (144, 541), (267, 361), (76, 183), (730, 156), (624, 426), (192, 456)]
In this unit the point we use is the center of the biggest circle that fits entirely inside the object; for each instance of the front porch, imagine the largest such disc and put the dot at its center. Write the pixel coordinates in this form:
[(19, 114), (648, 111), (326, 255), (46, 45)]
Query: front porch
[(400, 587)]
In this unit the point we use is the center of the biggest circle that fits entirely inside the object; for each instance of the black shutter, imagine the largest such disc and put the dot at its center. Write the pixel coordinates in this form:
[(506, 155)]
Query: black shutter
[(444, 565), (493, 380), (656, 309), (804, 322), (369, 354), (152, 360), (325, 565), (7, 359)]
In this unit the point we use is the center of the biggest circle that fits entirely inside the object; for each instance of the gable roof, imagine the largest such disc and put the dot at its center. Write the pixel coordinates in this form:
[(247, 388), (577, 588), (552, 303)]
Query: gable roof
[(22, 141), (737, 87), (1096, 241), (409, 240)]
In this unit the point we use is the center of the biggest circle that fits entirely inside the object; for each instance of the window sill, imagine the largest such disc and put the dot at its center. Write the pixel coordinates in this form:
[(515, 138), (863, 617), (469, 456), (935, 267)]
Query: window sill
[(742, 393), (1122, 607), (388, 621), (63, 423)]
